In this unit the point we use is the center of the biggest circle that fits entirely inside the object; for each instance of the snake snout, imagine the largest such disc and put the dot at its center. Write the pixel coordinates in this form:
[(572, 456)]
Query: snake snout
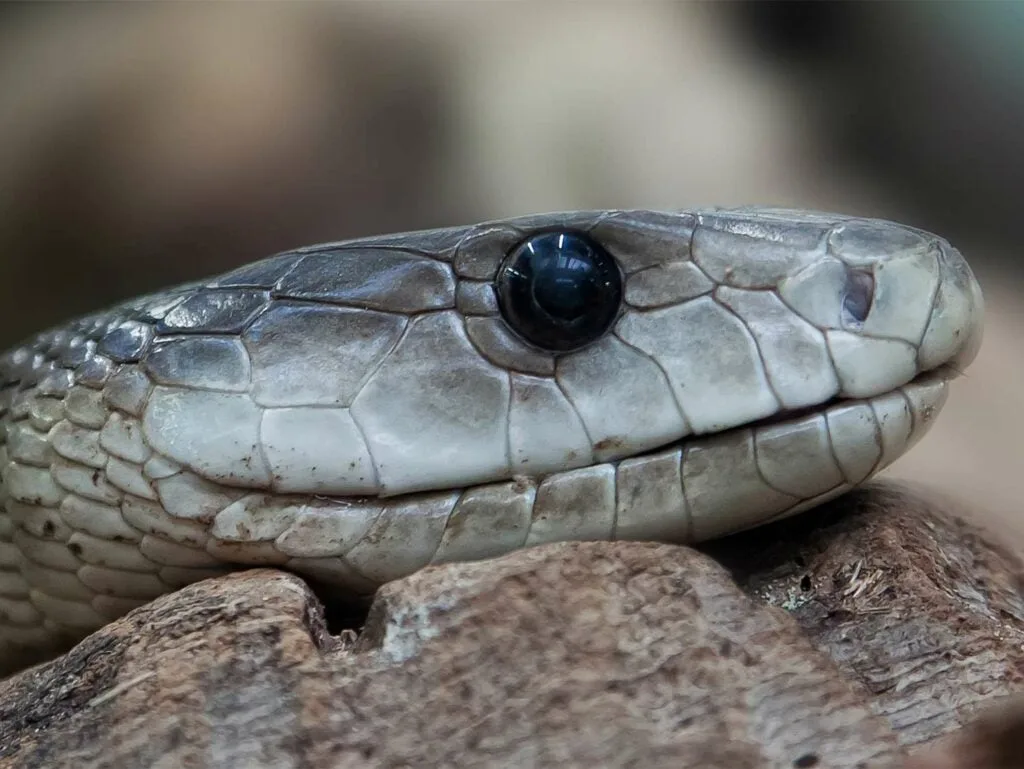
[(892, 301), (958, 315)]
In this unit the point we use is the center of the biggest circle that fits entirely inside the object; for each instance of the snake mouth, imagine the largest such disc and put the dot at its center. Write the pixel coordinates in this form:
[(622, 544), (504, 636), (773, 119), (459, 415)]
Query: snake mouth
[(945, 373), (939, 376)]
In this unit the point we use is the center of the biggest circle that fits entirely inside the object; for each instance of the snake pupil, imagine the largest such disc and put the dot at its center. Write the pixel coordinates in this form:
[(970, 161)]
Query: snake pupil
[(559, 290)]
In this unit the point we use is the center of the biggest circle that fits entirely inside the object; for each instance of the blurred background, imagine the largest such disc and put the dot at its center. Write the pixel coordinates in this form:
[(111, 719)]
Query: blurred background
[(148, 144)]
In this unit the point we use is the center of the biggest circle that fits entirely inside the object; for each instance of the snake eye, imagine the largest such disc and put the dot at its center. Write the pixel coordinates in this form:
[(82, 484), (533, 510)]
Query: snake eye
[(559, 290)]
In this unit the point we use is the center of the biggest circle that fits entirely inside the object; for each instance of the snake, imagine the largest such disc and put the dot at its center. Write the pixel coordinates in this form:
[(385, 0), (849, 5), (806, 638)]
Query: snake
[(356, 411)]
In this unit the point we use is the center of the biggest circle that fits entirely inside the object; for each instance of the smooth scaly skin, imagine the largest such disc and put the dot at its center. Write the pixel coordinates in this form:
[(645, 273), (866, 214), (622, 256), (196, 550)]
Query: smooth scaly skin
[(356, 411)]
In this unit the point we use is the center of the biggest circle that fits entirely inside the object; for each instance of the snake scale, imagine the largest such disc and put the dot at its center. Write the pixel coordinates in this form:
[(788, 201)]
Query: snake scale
[(356, 411)]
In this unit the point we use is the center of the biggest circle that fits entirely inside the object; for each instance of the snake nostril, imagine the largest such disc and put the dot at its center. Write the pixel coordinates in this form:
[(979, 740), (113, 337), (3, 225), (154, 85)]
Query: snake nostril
[(559, 290), (858, 295)]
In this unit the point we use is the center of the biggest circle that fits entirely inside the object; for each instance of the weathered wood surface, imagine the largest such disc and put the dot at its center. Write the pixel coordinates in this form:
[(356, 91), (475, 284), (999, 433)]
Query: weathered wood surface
[(839, 639), (922, 608)]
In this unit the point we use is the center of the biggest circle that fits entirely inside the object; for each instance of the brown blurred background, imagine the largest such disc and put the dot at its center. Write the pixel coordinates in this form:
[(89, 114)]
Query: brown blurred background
[(147, 144)]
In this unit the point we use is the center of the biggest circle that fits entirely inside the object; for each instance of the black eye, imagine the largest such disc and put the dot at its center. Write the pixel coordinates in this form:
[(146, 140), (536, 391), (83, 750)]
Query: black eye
[(559, 290)]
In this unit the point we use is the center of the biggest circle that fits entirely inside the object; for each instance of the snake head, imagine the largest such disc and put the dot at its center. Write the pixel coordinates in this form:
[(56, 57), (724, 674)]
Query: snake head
[(535, 345)]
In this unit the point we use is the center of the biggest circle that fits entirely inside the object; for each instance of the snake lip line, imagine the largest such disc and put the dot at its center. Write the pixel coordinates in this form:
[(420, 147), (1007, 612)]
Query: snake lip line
[(945, 372)]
